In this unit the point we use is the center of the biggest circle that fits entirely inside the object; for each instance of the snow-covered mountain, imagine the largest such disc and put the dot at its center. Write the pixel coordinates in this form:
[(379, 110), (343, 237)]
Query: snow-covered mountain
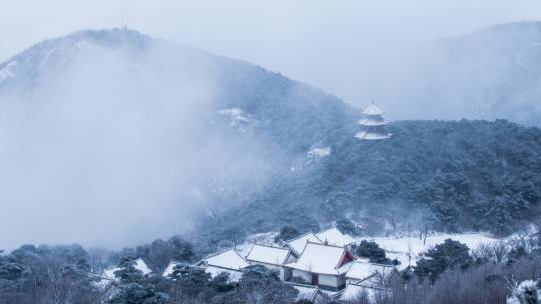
[(115, 120), (147, 136)]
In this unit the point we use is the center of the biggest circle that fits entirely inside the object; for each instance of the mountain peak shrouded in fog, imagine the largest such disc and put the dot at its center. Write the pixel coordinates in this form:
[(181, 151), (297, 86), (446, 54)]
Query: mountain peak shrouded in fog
[(133, 136)]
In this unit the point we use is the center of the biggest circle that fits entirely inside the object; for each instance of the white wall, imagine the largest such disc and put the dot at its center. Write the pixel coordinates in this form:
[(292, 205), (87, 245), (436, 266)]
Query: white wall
[(328, 280), (333, 281)]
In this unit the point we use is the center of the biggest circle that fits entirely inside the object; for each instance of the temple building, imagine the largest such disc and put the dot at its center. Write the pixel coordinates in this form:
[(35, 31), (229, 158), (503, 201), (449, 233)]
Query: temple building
[(373, 124), (321, 266)]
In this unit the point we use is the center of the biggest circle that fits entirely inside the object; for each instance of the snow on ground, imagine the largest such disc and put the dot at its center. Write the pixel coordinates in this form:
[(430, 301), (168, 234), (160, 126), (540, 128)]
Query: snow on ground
[(47, 56), (7, 72), (237, 116), (353, 292), (415, 245), (333, 236), (318, 153), (110, 273), (84, 44), (306, 292), (401, 248), (266, 238)]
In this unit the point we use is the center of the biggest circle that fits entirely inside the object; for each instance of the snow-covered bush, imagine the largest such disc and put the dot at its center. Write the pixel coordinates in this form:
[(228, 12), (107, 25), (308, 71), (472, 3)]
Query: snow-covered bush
[(527, 292)]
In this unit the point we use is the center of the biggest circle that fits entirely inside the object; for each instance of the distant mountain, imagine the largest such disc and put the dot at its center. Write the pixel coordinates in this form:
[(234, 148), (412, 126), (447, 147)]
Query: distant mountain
[(285, 109), (488, 74)]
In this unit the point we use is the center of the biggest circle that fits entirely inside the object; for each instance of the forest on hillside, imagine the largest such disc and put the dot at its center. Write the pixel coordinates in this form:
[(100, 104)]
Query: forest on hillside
[(431, 175)]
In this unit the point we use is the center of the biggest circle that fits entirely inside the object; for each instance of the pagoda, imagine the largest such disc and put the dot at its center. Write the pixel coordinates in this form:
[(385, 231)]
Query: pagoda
[(373, 124)]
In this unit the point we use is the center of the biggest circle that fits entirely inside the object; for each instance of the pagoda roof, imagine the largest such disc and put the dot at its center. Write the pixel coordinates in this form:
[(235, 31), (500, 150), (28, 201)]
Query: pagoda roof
[(372, 136), (373, 121), (372, 110)]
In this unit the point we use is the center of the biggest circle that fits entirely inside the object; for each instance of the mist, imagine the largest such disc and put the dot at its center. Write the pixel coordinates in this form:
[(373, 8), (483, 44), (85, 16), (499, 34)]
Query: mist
[(116, 146)]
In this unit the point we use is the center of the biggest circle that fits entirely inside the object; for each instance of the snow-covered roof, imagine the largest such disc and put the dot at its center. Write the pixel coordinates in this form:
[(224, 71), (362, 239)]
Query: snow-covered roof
[(108, 275), (142, 266), (234, 275), (333, 236), (169, 269), (373, 121), (359, 270), (139, 265), (320, 258), (297, 244), (230, 259), (306, 292), (373, 110), (372, 136), (267, 254)]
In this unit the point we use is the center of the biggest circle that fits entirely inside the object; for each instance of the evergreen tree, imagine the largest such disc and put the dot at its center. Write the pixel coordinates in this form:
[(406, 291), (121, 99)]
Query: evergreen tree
[(447, 255)]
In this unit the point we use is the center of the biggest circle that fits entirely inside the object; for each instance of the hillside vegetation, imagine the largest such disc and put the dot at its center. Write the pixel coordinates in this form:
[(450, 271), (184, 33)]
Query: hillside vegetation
[(447, 176)]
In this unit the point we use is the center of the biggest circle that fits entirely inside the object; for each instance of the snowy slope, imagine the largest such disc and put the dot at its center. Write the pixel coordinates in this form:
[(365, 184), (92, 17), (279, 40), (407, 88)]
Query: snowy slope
[(407, 249)]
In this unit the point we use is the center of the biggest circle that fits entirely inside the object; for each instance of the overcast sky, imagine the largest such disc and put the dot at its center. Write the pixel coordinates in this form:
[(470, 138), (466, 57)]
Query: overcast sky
[(324, 43)]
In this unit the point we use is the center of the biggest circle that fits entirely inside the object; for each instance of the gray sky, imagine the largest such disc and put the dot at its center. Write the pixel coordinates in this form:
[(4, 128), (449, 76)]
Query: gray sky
[(324, 43)]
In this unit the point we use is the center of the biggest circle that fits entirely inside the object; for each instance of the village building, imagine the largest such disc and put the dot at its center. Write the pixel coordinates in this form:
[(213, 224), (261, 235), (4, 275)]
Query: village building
[(107, 282), (322, 265), (297, 244), (109, 273), (169, 269), (358, 270), (273, 258), (319, 265), (333, 236), (373, 125), (229, 261)]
